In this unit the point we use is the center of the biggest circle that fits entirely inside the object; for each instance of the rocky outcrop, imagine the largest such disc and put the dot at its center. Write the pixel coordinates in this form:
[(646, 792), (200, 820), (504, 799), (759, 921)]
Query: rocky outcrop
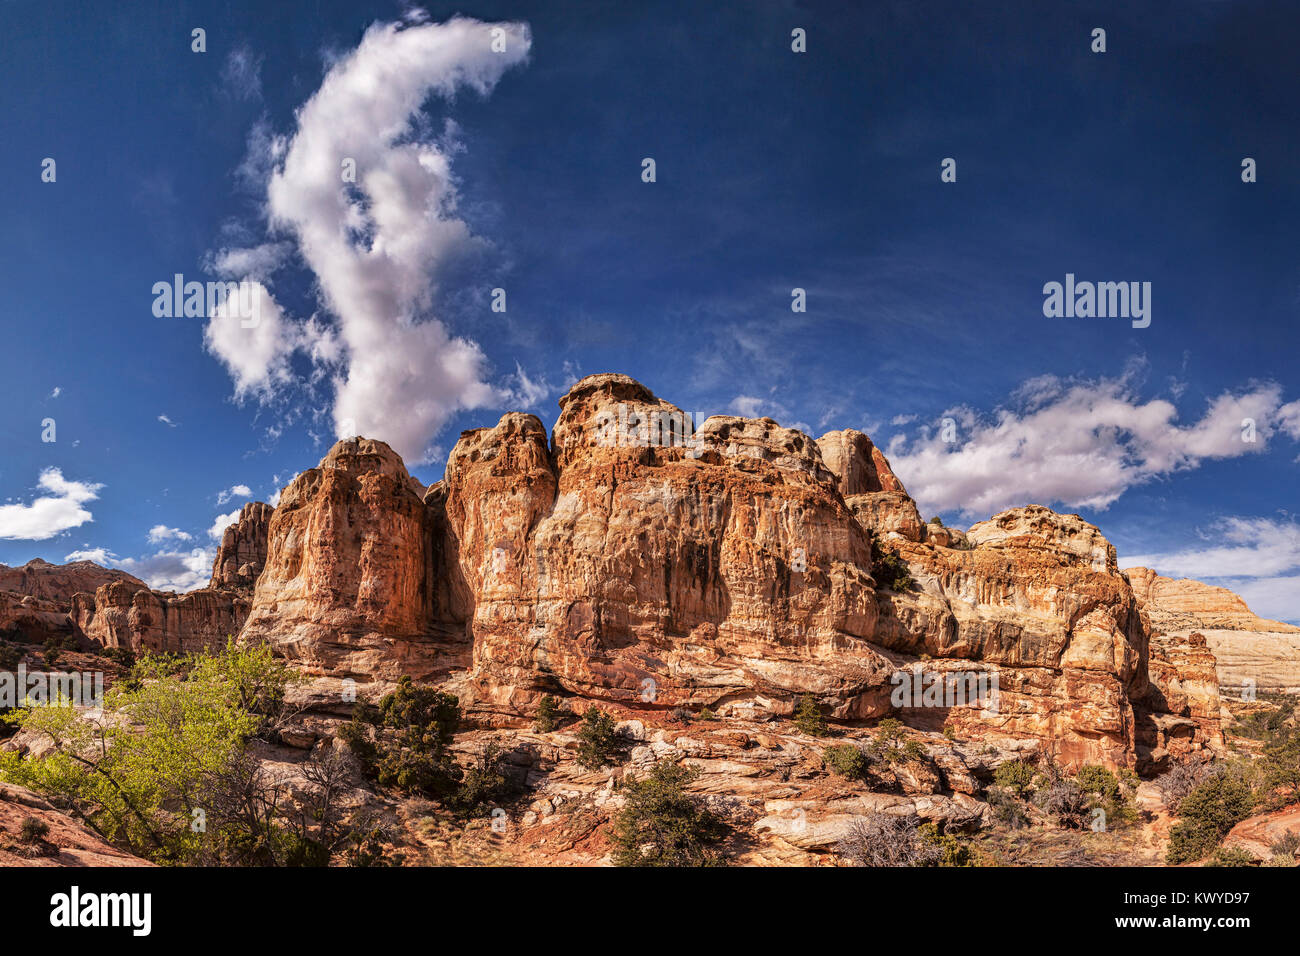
[(1258, 834), (242, 553), (1184, 603), (59, 582), (32, 620), (869, 486), (350, 587), (1250, 652), (139, 619), (636, 566), (1040, 598), (66, 842), (35, 599), (634, 559), (1179, 716)]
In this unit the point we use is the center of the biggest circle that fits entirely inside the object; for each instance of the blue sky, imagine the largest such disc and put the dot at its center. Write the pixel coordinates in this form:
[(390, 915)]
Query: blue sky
[(521, 170)]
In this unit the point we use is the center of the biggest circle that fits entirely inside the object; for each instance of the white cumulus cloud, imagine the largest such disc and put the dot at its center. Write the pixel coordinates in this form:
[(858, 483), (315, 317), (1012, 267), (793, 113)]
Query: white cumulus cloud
[(56, 511), (375, 245), (234, 491), (221, 523), (1258, 558), (1080, 444), (160, 532), (100, 556)]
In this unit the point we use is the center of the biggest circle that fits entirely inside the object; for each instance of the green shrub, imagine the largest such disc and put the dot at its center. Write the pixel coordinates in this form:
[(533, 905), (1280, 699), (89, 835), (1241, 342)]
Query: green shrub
[(597, 742), (1222, 802), (1016, 775), (808, 717), (936, 520), (413, 755), (1189, 841), (33, 830), (846, 760), (943, 849), (1097, 780), (1282, 763), (1206, 815), (10, 658), (662, 825), (1232, 856), (548, 715), (484, 785), (121, 656), (368, 847), (892, 745), (150, 770), (889, 570)]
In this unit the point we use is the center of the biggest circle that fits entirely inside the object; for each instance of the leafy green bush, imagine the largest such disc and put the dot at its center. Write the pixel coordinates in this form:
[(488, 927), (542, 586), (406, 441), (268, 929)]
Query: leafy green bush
[(662, 825), (943, 849), (33, 829), (1206, 815), (485, 784), (846, 760), (889, 570), (1273, 713), (1222, 801), (1016, 775), (1190, 840), (413, 755), (120, 655), (1092, 778), (548, 715), (138, 780), (1281, 754), (10, 658), (597, 742), (808, 717), (167, 771), (892, 745), (1231, 856)]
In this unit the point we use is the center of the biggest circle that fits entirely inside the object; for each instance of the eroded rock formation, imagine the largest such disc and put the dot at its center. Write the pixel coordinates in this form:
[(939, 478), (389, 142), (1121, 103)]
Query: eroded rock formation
[(1249, 651), (242, 553), (59, 582), (634, 567), (349, 587), (126, 613), (637, 560), (139, 619)]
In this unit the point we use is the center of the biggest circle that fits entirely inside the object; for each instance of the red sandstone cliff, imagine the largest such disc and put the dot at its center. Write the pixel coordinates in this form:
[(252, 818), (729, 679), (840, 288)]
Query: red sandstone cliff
[(633, 560)]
